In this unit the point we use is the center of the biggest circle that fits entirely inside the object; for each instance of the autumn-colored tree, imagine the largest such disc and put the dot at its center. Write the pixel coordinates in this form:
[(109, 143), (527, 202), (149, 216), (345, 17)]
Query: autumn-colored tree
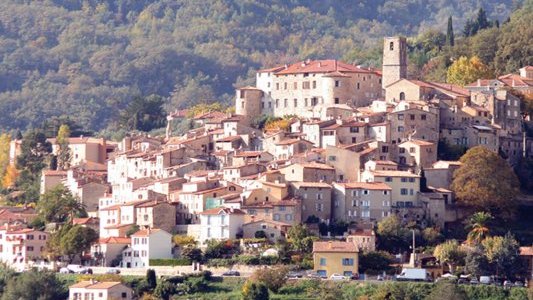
[(464, 71), (5, 140), (478, 227), (281, 124), (64, 155), (10, 176), (486, 182), (273, 278)]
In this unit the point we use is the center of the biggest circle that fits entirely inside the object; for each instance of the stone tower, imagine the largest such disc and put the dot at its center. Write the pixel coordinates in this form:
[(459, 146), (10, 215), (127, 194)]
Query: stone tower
[(394, 60), (248, 103)]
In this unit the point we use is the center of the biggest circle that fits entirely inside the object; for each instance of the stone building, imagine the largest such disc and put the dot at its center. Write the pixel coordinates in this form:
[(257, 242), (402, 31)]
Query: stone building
[(394, 60), (308, 88)]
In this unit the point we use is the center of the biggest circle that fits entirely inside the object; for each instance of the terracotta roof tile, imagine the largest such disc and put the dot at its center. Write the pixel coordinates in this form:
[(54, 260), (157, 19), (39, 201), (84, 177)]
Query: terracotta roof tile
[(334, 246), (223, 210), (365, 185)]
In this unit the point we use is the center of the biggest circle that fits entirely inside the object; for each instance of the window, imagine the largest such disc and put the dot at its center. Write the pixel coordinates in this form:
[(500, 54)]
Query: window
[(388, 179), (403, 191), (288, 217), (263, 105), (276, 217), (305, 102), (295, 85), (305, 85), (208, 231), (386, 203), (332, 158), (337, 83), (354, 140), (322, 261), (285, 103), (365, 203), (313, 101), (402, 150), (411, 179), (365, 214), (358, 86), (277, 103), (400, 116), (124, 295), (354, 129), (404, 179), (282, 208), (400, 129), (285, 86), (402, 96), (295, 102), (385, 149), (314, 84), (412, 117), (411, 192), (391, 46), (412, 150), (423, 117), (355, 193), (277, 85), (29, 248), (385, 192), (365, 192), (336, 100), (347, 261)]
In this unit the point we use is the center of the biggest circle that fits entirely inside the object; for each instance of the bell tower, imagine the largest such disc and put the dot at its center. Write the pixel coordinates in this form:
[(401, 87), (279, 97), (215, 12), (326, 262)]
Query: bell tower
[(394, 60)]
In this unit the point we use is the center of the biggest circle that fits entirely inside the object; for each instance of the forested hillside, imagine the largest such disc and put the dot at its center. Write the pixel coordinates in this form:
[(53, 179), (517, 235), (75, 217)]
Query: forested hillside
[(88, 59)]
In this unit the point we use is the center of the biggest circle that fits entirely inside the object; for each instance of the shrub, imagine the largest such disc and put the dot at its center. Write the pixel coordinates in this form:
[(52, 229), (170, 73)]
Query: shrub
[(151, 279), (272, 278), (164, 290), (170, 262), (248, 260), (254, 291), (221, 262), (268, 260)]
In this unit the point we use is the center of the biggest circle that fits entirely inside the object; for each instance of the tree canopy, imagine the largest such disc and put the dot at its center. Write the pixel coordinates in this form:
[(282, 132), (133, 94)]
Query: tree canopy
[(485, 181), (87, 60), (58, 205)]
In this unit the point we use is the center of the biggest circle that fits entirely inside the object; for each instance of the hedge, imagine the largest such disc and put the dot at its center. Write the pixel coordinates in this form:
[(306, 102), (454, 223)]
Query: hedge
[(170, 262)]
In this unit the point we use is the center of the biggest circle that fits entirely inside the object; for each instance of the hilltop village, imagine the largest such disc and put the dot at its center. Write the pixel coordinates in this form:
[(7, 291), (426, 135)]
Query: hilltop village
[(349, 148)]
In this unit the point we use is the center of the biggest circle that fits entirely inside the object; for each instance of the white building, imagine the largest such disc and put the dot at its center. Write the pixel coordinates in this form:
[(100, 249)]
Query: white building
[(221, 223), (94, 290), (20, 247), (145, 245)]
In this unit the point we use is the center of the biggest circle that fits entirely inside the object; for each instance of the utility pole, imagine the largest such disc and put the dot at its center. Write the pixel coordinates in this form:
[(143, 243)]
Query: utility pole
[(412, 260)]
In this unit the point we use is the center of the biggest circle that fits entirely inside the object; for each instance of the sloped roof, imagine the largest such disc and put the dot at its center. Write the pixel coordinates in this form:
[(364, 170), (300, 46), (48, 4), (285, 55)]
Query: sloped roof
[(334, 246), (223, 211)]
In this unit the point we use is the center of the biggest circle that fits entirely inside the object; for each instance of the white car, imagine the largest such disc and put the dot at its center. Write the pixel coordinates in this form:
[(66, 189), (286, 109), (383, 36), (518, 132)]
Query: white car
[(338, 277), (77, 269)]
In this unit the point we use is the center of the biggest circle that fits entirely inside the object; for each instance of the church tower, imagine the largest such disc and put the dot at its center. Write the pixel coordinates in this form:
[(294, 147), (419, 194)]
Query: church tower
[(394, 60)]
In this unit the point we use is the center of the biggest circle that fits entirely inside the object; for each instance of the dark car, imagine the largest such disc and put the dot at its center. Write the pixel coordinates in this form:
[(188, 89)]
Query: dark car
[(463, 281), (231, 273), (295, 275)]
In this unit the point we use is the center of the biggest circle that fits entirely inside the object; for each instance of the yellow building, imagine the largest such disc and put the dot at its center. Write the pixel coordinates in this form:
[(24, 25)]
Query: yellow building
[(335, 257)]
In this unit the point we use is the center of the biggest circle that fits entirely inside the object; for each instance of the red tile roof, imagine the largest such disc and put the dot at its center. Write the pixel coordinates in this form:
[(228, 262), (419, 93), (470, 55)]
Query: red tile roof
[(365, 185), (146, 232), (322, 66), (334, 246), (114, 240)]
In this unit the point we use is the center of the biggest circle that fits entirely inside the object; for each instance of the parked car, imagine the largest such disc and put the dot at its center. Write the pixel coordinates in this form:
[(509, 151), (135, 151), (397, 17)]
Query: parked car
[(231, 273), (474, 281), (314, 275), (519, 284), (338, 277), (463, 281), (355, 276), (295, 275), (77, 269), (112, 271), (508, 284), (485, 280)]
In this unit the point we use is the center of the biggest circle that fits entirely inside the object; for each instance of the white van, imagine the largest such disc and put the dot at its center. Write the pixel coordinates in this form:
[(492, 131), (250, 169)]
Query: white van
[(485, 280)]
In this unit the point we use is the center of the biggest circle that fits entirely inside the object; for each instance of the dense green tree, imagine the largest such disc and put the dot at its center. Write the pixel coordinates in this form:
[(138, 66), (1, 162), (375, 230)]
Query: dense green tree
[(77, 240), (300, 238), (375, 262), (42, 285), (5, 140), (144, 114), (151, 279), (192, 253), (503, 253), (476, 263), (392, 236), (164, 290), (486, 182), (58, 205), (450, 37), (64, 155), (34, 150)]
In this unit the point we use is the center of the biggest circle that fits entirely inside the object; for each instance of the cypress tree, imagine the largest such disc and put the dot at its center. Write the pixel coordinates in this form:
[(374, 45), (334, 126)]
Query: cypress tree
[(450, 38)]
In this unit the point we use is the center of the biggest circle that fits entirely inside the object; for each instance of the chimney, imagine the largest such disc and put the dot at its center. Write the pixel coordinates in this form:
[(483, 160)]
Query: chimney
[(330, 245), (286, 66), (320, 64), (335, 65)]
